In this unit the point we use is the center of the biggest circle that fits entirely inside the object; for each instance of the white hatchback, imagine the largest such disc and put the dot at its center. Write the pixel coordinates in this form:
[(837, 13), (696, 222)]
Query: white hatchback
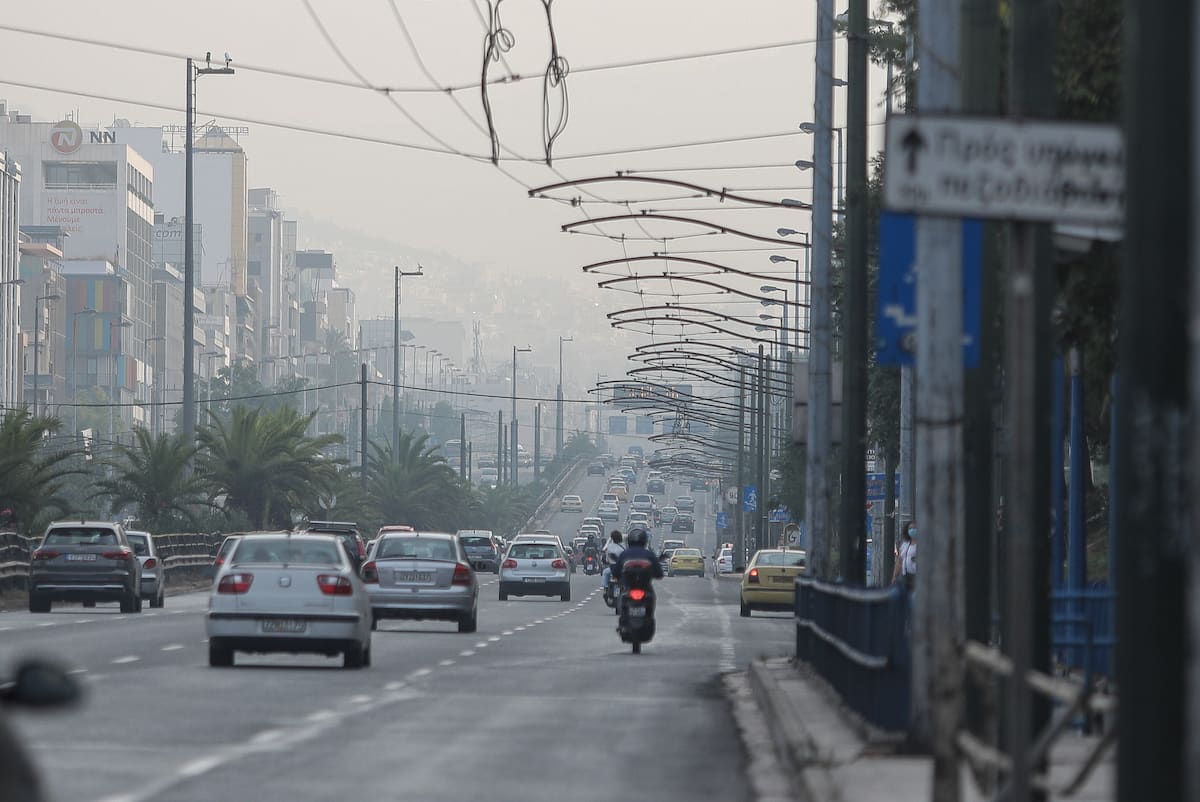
[(725, 562)]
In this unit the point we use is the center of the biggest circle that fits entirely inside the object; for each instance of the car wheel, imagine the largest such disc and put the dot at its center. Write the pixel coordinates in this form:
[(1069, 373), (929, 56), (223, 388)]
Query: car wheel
[(469, 623), (162, 599), (219, 655), (129, 603), (566, 594), (744, 610), (637, 647), (503, 596), (374, 622), (354, 657), (38, 603), (367, 656)]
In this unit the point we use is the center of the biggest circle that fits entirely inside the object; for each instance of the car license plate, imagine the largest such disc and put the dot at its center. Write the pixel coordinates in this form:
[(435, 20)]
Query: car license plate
[(637, 612), (81, 557), (413, 576), (781, 579), (288, 625), (535, 579)]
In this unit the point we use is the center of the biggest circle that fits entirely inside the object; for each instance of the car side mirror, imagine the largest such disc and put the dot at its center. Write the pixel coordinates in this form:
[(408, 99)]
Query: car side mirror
[(39, 683)]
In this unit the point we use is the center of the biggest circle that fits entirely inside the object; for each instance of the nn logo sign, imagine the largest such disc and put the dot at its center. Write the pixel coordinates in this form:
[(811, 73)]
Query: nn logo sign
[(66, 136)]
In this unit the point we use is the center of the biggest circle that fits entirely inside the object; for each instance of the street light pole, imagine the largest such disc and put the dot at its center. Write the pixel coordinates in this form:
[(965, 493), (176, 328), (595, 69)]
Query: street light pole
[(558, 425), (37, 331), (400, 274), (189, 265), (513, 442)]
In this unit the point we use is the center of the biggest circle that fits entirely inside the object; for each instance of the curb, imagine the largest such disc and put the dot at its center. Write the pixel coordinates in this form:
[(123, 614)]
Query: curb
[(797, 752)]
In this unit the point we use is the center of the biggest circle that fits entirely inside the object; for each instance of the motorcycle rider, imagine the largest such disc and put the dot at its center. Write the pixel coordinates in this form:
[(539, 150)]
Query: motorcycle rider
[(590, 549), (612, 552), (637, 549)]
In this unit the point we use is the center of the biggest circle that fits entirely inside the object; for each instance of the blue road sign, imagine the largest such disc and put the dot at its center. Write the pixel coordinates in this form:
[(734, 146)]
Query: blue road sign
[(750, 498), (896, 318), (722, 520), (876, 485), (779, 515)]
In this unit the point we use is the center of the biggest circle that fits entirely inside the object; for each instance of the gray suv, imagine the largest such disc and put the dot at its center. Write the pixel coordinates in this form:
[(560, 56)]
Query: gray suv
[(85, 561)]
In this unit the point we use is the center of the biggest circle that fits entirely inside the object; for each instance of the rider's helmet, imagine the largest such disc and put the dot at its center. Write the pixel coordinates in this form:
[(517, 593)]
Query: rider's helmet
[(616, 536), (638, 537)]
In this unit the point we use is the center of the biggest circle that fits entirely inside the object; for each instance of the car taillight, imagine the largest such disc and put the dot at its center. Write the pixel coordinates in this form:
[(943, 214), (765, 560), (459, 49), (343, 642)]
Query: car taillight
[(46, 554), (558, 564), (754, 576), (217, 563), (235, 583), (119, 554), (334, 585), (362, 550), (462, 575), (370, 573), (150, 563), (637, 594), (510, 564)]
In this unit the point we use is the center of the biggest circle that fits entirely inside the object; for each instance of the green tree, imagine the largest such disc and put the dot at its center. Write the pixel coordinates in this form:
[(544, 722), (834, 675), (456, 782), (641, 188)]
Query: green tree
[(263, 463), (152, 476), (504, 509), (33, 470), (419, 489)]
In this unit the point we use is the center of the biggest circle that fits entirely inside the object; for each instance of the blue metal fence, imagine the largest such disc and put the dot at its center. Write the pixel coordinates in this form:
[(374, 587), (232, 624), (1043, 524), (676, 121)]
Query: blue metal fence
[(858, 640), (1083, 630)]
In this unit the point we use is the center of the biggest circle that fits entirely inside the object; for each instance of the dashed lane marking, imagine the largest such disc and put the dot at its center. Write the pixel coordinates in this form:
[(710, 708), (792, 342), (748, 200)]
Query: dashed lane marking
[(129, 658), (445, 663), (172, 647), (466, 653)]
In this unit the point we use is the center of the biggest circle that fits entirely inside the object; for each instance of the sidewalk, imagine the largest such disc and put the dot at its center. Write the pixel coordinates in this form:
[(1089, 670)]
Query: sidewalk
[(828, 760)]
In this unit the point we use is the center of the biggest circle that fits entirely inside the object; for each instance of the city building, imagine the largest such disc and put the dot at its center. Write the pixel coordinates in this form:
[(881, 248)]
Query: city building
[(265, 278), (100, 192), (43, 321), (166, 353), (11, 387)]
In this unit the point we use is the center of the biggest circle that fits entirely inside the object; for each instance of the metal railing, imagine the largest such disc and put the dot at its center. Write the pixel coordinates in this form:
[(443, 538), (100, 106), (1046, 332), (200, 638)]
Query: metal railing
[(181, 554), (858, 640)]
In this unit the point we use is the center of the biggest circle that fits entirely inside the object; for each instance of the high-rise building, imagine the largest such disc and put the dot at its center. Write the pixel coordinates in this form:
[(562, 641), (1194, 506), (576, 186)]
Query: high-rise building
[(11, 391), (43, 320), (100, 192), (265, 276)]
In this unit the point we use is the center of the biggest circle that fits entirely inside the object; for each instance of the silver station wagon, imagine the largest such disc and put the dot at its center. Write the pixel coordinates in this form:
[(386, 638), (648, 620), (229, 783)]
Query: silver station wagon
[(422, 575)]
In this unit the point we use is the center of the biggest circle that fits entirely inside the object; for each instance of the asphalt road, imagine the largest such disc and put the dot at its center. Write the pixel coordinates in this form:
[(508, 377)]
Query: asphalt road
[(543, 703)]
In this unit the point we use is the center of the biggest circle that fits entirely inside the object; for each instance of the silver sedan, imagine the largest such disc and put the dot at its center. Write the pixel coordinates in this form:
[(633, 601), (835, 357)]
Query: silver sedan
[(535, 568), (289, 593), (154, 573), (422, 575)]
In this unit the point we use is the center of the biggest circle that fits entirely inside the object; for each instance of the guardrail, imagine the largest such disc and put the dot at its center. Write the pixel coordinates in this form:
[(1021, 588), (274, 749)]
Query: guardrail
[(181, 554), (550, 494), (858, 640)]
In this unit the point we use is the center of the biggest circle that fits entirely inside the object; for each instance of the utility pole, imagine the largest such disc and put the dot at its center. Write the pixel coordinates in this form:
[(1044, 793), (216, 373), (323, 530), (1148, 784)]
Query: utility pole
[(764, 451), (558, 420), (1027, 381), (980, 95), (462, 446), (852, 528), (938, 629), (362, 424), (400, 274), (1157, 508), (513, 451), (820, 389), (739, 549), (189, 262), (537, 442), (500, 448)]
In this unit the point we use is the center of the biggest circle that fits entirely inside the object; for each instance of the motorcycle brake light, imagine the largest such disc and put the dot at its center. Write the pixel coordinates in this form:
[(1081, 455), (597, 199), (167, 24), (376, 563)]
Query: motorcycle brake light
[(637, 594)]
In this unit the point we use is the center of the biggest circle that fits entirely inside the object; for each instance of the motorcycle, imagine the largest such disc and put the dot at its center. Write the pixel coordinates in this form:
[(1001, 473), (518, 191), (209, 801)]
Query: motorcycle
[(636, 621), (36, 684), (591, 565)]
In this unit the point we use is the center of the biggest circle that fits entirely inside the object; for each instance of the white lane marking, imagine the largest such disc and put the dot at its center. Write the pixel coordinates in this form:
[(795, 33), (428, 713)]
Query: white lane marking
[(360, 699), (129, 658), (83, 621), (321, 715), (494, 639), (47, 624), (200, 765), (420, 672), (393, 686), (507, 632), (481, 645), (178, 612), (445, 663), (266, 736), (5, 629), (172, 647), (466, 653), (77, 671), (519, 629), (149, 615)]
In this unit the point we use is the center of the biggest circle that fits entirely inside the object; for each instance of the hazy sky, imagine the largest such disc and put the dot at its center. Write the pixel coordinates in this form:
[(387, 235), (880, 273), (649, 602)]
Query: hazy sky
[(447, 202)]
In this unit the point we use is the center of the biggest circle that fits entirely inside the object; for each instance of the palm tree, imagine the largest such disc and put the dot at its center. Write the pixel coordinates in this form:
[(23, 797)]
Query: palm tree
[(264, 463), (152, 475), (418, 489), (32, 474), (504, 509)]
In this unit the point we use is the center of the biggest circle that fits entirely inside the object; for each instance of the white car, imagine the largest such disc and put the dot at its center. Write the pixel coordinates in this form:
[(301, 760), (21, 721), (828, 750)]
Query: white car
[(638, 519), (725, 561), (284, 592), (608, 511), (571, 503)]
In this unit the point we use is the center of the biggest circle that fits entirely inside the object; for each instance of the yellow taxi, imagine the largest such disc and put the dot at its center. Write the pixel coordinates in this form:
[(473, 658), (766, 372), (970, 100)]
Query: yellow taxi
[(769, 581), (620, 489), (686, 561)]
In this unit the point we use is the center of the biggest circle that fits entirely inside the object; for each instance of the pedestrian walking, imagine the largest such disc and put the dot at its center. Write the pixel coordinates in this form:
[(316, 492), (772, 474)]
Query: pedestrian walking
[(905, 571)]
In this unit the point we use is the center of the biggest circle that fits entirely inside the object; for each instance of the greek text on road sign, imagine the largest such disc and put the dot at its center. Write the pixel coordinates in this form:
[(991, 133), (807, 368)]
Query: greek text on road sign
[(1004, 169)]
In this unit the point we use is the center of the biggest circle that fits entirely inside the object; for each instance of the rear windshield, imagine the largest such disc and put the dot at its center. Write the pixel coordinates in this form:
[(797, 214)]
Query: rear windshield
[(533, 551), (477, 542), (687, 552), (138, 542), (417, 548), (784, 558), (286, 550), (80, 536)]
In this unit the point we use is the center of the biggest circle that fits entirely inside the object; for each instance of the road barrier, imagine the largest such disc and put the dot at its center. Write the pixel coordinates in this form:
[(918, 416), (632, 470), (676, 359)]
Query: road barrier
[(186, 555), (551, 495), (858, 640)]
